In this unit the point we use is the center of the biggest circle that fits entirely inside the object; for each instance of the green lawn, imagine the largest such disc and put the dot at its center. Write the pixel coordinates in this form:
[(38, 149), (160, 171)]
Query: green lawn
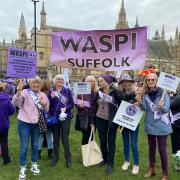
[(78, 172)]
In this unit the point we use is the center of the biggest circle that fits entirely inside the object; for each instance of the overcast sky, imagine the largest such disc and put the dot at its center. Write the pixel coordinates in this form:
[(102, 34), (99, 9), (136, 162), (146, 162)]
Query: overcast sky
[(90, 14)]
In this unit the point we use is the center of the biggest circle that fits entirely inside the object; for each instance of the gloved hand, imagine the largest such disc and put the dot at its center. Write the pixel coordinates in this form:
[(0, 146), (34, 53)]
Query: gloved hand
[(62, 116)]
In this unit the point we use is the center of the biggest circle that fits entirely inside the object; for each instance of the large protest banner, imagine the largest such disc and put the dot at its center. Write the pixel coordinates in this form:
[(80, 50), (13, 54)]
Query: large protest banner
[(21, 63), (107, 50)]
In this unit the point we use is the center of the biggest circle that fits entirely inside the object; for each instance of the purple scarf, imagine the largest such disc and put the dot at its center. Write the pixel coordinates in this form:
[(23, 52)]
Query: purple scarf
[(153, 93)]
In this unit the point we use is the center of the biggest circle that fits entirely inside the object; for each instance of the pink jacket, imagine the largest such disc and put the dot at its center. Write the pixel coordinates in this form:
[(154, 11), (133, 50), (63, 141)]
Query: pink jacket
[(28, 111)]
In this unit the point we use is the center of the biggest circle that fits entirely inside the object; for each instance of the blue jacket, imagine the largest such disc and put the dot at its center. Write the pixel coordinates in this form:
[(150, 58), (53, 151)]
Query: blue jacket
[(66, 92), (152, 126), (6, 109)]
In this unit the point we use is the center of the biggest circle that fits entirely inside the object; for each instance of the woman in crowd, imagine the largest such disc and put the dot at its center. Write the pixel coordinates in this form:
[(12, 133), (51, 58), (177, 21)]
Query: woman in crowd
[(103, 109), (83, 105), (6, 109), (61, 104), (125, 85), (175, 120), (45, 87), (157, 124), (30, 101)]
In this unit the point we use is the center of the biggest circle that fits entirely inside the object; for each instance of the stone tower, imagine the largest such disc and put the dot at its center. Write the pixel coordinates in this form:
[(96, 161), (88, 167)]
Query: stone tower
[(122, 23), (163, 33), (136, 25), (43, 16), (156, 36), (176, 34), (22, 28)]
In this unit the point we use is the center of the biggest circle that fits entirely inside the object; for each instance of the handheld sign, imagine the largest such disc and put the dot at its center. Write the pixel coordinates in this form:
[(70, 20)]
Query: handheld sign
[(82, 88), (168, 82), (128, 115), (66, 78), (21, 63)]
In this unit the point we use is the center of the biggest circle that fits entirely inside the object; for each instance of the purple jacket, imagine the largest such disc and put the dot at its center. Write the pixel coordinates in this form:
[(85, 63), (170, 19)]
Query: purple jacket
[(55, 103), (6, 109)]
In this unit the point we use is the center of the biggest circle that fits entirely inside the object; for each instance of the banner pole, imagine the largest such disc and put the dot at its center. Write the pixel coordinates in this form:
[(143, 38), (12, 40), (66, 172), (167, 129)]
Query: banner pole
[(121, 129), (164, 92)]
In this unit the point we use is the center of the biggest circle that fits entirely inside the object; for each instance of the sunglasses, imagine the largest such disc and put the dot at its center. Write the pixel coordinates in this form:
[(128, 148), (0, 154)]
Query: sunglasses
[(150, 80)]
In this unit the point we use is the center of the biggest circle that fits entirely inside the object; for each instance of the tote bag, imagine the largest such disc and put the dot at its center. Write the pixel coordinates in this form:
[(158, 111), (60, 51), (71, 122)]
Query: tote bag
[(91, 152)]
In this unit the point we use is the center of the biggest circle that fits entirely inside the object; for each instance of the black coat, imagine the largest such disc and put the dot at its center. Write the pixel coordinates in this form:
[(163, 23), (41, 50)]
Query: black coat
[(118, 97), (175, 108)]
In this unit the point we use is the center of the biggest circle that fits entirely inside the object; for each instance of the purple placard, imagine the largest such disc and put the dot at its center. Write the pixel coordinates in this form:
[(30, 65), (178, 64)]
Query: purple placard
[(21, 63), (108, 50)]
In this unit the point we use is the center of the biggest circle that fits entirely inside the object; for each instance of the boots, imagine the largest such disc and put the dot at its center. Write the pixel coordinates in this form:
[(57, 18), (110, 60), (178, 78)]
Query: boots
[(164, 176), (150, 173), (39, 154), (50, 153)]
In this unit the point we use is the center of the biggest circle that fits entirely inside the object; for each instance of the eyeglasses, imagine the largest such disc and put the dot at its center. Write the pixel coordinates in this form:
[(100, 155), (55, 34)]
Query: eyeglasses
[(150, 80)]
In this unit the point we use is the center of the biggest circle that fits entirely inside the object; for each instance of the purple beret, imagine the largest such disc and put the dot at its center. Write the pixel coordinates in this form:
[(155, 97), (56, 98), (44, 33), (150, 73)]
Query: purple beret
[(108, 78)]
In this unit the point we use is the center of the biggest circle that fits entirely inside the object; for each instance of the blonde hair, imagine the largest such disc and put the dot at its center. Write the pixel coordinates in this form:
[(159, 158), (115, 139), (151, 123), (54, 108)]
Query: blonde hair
[(92, 78), (2, 86), (145, 86), (37, 79)]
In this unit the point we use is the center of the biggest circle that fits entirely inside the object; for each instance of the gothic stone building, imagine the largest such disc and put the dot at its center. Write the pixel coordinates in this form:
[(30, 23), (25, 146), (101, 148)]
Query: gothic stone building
[(162, 54)]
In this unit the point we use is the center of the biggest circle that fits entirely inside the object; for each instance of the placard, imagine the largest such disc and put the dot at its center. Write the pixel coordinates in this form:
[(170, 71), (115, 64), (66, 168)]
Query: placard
[(168, 82), (21, 63), (82, 88), (128, 115)]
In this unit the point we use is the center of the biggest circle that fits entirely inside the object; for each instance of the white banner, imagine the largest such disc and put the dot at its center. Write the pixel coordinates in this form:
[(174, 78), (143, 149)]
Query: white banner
[(82, 88), (128, 115), (168, 82)]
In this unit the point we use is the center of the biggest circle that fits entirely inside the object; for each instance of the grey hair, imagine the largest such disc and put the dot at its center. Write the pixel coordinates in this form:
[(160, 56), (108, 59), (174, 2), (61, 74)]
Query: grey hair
[(57, 77)]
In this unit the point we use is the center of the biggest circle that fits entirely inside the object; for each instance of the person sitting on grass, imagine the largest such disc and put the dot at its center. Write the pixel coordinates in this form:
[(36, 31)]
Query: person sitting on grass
[(6, 109)]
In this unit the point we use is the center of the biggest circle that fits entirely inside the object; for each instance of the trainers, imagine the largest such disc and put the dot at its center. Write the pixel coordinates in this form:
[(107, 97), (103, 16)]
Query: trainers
[(35, 169), (22, 175), (125, 166), (135, 169)]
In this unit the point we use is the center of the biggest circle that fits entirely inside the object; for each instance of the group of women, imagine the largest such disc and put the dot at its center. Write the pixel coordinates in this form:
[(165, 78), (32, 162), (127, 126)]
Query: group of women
[(100, 108)]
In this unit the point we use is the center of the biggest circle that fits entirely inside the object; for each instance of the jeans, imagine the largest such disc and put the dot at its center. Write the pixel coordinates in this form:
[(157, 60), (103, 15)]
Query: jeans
[(4, 147), (129, 135), (61, 130), (107, 137), (162, 141), (26, 131), (49, 137)]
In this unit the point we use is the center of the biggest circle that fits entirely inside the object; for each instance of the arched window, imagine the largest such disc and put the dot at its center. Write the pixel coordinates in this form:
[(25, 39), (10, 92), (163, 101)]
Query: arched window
[(41, 56)]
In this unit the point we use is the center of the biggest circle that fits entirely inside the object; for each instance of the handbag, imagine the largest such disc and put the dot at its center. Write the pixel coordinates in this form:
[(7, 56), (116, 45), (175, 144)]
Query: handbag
[(91, 153), (52, 120), (82, 122)]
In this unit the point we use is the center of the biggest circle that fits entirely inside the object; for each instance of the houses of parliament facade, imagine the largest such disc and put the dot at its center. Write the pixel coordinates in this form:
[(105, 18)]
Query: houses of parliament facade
[(162, 53)]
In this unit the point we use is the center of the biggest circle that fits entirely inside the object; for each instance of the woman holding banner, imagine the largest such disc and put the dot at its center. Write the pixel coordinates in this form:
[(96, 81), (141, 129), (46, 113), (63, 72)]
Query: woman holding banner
[(31, 103), (61, 104), (157, 125), (104, 108), (83, 105), (128, 135)]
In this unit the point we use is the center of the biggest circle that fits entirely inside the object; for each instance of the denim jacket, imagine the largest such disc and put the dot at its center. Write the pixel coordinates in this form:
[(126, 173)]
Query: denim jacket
[(156, 126)]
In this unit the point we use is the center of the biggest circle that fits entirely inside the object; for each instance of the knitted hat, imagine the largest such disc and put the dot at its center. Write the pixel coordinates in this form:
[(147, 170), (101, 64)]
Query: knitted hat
[(109, 78), (126, 77)]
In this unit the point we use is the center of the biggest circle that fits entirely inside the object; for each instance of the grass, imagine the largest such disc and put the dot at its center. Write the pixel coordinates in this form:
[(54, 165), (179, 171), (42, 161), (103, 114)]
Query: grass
[(78, 172)]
